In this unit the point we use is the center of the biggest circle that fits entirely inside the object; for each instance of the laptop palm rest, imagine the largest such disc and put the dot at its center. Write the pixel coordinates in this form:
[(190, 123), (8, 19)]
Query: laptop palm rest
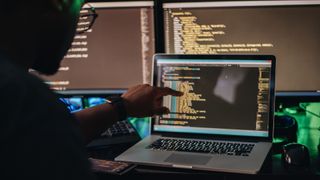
[(188, 159)]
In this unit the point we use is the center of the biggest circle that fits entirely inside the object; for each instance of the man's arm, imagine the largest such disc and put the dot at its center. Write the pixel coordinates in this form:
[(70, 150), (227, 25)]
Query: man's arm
[(93, 121), (139, 101)]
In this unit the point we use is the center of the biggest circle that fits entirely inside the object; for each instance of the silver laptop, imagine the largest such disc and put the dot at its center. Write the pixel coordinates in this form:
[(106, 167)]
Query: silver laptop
[(224, 120)]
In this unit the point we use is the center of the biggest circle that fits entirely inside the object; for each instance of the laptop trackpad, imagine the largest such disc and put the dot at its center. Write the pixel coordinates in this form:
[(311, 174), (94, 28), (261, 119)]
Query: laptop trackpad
[(188, 159)]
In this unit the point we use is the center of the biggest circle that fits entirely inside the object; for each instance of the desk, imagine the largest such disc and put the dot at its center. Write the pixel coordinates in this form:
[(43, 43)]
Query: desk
[(308, 134)]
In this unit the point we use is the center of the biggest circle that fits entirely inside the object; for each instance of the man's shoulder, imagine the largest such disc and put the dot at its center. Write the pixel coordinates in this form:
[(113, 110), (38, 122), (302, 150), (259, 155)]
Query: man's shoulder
[(22, 94), (14, 80)]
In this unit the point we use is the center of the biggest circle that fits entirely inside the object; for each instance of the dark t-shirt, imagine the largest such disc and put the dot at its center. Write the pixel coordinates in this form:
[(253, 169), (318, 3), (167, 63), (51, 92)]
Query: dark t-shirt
[(39, 138)]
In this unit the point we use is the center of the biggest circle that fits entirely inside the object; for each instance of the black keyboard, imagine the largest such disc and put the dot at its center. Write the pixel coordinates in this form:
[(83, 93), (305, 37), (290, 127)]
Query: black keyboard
[(213, 147), (121, 132), (119, 128)]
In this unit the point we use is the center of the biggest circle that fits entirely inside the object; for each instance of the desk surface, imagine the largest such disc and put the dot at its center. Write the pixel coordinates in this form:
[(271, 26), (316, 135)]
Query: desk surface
[(308, 134)]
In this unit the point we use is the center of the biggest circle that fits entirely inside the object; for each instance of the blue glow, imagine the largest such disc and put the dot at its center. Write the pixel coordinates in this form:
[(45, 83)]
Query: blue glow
[(74, 104), (213, 131), (142, 125), (306, 93), (94, 101)]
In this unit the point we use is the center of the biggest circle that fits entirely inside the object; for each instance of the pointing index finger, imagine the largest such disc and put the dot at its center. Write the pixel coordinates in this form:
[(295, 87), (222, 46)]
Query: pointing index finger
[(168, 91)]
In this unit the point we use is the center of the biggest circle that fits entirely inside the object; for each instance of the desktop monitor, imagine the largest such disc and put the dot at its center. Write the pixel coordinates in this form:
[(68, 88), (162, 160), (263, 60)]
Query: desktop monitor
[(290, 30), (114, 54), (105, 61)]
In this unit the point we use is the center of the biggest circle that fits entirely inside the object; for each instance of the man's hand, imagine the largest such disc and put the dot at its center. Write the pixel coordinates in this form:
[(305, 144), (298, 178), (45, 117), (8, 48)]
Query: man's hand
[(145, 100)]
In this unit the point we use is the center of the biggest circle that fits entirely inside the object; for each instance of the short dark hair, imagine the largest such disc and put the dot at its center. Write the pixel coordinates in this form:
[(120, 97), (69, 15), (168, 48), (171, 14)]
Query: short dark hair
[(7, 5), (10, 6)]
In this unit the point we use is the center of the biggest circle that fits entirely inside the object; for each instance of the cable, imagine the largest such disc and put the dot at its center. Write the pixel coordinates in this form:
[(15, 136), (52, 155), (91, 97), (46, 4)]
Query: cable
[(312, 113), (305, 109)]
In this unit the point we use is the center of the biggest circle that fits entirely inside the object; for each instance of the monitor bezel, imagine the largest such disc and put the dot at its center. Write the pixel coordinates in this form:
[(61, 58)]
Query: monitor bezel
[(90, 92)]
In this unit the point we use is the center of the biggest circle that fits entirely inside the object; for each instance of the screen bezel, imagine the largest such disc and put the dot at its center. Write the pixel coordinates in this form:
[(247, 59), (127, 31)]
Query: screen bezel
[(222, 57), (282, 96)]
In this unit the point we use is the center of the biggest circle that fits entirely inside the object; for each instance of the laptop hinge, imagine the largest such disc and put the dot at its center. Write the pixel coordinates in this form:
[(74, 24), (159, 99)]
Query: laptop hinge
[(221, 138)]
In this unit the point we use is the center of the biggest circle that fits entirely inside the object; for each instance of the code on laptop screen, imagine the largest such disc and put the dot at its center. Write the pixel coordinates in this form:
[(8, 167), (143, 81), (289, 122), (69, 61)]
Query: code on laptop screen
[(220, 97)]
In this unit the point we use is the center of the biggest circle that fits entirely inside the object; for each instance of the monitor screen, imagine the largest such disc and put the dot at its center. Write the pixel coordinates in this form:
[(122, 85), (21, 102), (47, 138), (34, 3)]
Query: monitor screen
[(226, 96), (290, 30), (115, 53), (77, 100)]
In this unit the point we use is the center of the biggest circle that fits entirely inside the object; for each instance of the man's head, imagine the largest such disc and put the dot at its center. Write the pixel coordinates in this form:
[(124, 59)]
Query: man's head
[(38, 33)]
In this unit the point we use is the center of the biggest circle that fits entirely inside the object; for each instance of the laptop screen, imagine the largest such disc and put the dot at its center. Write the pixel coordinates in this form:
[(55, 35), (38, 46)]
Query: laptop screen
[(221, 96)]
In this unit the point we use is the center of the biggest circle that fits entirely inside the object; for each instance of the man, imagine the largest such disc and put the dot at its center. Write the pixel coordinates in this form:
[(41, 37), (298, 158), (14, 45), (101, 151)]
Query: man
[(39, 138)]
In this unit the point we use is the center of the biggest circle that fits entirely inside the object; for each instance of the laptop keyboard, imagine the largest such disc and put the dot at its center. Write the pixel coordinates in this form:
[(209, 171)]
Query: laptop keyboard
[(213, 147)]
